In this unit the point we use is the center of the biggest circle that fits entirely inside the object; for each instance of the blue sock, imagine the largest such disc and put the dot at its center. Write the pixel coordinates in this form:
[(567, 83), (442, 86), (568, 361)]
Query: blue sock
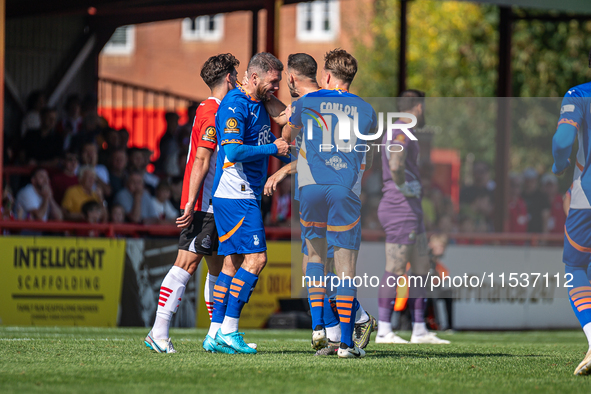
[(331, 316), (580, 294), (316, 293), (220, 297), (241, 288), (330, 291), (346, 298)]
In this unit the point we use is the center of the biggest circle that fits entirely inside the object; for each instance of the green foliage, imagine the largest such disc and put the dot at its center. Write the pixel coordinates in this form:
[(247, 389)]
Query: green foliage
[(452, 52)]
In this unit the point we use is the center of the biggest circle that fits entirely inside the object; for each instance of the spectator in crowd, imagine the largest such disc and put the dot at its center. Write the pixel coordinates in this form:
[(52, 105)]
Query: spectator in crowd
[(123, 138), (176, 189), (89, 157), (475, 215), (437, 246), (482, 183), (136, 201), (76, 196), (518, 216), (32, 119), (7, 203), (161, 201), (117, 170), (89, 131), (117, 214), (43, 146), (169, 146), (191, 111), (69, 123), (138, 162), (536, 202), (556, 216), (36, 201), (93, 214), (66, 178), (111, 142)]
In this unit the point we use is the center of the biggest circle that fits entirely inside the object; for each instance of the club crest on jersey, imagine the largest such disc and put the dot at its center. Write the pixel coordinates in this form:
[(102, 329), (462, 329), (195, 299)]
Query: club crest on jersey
[(256, 240), (206, 243), (232, 126), (209, 134), (336, 163)]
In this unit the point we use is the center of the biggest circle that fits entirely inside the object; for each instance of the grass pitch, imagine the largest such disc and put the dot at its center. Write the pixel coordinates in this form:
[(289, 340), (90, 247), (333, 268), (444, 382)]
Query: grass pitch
[(96, 360)]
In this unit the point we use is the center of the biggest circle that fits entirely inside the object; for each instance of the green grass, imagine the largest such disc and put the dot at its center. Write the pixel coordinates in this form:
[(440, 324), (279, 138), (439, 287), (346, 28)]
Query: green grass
[(93, 360)]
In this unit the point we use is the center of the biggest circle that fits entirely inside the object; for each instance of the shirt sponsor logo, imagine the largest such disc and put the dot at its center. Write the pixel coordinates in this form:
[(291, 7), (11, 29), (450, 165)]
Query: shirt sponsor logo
[(567, 108), (336, 163)]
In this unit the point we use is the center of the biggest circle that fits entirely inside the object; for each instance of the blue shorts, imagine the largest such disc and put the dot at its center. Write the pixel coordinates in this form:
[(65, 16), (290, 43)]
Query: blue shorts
[(334, 209), (577, 238), (240, 226)]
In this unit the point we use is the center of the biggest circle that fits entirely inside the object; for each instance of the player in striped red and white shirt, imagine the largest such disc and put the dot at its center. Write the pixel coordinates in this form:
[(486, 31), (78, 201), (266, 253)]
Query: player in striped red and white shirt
[(199, 236)]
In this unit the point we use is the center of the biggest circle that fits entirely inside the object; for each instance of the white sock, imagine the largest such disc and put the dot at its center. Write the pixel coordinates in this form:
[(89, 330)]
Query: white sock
[(171, 292), (361, 316), (230, 324), (384, 327), (587, 330), (208, 293), (334, 333), (213, 329), (419, 329)]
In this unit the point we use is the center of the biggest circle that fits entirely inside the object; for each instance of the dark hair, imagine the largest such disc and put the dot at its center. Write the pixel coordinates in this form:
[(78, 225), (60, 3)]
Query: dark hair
[(45, 110), (341, 64), (264, 62), (89, 206), (216, 68), (163, 185), (33, 97), (72, 99), (409, 99), (303, 64), (36, 170)]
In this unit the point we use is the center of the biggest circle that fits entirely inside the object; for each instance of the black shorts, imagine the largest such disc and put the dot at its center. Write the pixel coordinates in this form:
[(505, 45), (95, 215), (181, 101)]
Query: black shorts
[(201, 237)]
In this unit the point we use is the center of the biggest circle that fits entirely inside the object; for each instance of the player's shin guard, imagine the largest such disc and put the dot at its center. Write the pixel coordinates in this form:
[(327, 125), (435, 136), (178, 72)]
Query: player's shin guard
[(580, 298), (346, 297), (241, 288), (208, 293), (220, 302), (171, 293), (331, 291), (316, 293)]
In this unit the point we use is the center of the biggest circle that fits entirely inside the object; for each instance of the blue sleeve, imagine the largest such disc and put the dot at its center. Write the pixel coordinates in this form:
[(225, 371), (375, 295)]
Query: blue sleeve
[(231, 122), (239, 153), (286, 159), (571, 117), (295, 120)]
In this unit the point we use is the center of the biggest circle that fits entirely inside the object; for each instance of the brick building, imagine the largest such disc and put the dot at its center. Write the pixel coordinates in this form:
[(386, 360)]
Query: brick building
[(168, 55)]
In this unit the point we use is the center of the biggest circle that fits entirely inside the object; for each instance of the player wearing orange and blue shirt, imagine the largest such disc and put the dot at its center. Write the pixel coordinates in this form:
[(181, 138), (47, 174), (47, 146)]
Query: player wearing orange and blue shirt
[(575, 122)]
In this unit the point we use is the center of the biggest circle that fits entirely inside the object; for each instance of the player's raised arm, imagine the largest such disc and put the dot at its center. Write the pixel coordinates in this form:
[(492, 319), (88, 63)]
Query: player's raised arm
[(572, 112), (276, 110)]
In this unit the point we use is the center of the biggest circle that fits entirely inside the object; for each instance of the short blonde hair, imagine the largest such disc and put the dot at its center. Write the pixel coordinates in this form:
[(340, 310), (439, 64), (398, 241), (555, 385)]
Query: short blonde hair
[(341, 64)]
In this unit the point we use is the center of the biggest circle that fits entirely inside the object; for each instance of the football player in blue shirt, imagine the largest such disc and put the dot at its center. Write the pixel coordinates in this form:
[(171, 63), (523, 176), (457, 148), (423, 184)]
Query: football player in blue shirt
[(574, 122), (245, 143), (329, 166)]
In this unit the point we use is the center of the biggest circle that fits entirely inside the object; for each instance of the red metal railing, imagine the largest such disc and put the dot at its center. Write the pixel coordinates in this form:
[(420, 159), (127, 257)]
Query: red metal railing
[(273, 233)]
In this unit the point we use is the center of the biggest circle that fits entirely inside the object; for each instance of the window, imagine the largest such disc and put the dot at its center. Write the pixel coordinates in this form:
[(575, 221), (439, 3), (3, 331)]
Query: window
[(203, 28), (317, 20), (122, 41)]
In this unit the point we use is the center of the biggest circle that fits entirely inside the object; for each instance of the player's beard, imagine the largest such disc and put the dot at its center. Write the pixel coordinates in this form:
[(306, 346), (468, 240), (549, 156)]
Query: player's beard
[(261, 94), (420, 121)]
